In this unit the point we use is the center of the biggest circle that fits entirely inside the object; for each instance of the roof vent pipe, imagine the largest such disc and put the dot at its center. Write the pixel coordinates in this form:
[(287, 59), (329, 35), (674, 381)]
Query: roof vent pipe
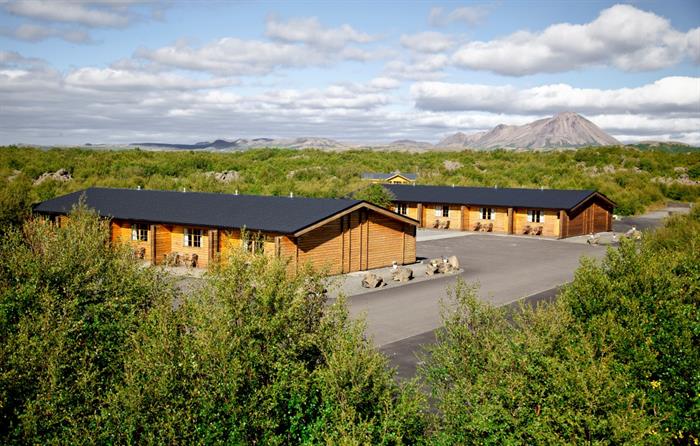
[(236, 193), (291, 195), (453, 185), (138, 187), (184, 189), (541, 187)]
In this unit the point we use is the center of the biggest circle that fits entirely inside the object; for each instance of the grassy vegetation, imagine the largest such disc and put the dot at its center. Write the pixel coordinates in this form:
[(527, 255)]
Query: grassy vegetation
[(626, 175)]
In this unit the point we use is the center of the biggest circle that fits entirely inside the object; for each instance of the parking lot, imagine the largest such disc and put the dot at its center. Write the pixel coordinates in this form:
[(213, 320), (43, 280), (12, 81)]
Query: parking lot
[(505, 268)]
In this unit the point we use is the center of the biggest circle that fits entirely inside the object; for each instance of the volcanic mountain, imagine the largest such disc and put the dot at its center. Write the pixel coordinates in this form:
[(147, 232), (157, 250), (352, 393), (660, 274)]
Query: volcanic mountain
[(560, 131)]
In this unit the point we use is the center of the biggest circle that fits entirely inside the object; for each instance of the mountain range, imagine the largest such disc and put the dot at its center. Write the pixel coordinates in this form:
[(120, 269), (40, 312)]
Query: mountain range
[(564, 130)]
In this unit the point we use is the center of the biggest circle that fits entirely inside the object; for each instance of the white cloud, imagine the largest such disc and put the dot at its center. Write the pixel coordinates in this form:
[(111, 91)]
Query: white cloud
[(384, 83), (468, 15), (308, 30), (35, 33), (101, 15), (622, 35), (297, 43), (232, 56), (119, 79), (667, 95), (423, 67), (427, 42)]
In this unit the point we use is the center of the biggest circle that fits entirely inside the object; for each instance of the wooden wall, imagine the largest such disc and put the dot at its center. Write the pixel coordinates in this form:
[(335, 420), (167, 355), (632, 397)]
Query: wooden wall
[(121, 233), (164, 244), (361, 240), (357, 241), (550, 226), (177, 235), (596, 216), (499, 218), (429, 217)]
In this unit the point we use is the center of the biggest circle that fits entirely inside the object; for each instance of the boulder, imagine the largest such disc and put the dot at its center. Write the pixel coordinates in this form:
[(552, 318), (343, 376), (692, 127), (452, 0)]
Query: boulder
[(227, 176), (371, 280), (402, 274), (434, 267), (61, 175), (454, 262), (451, 165)]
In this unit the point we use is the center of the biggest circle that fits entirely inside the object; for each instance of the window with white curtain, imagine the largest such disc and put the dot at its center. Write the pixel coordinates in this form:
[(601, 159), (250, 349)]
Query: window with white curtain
[(535, 216), (487, 214), (193, 238), (139, 232)]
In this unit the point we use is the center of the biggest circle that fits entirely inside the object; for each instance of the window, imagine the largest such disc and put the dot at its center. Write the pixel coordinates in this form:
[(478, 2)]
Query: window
[(487, 214), (535, 216), (442, 211), (401, 208), (139, 233), (255, 246), (193, 238)]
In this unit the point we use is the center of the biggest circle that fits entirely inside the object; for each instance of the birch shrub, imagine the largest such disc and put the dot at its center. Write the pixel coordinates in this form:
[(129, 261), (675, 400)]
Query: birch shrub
[(97, 349), (69, 303), (257, 357)]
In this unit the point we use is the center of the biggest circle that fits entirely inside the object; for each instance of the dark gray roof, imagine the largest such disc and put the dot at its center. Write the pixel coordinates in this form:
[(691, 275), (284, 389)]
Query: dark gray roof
[(263, 213), (386, 176), (488, 196)]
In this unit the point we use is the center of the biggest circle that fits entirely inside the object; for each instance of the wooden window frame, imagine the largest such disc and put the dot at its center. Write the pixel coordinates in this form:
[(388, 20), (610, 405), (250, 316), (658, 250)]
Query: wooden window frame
[(487, 213), (139, 232), (254, 246), (535, 216), (402, 208), (192, 238), (445, 210)]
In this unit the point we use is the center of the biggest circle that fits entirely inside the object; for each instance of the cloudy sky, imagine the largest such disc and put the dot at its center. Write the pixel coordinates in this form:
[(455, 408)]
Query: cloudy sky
[(128, 71)]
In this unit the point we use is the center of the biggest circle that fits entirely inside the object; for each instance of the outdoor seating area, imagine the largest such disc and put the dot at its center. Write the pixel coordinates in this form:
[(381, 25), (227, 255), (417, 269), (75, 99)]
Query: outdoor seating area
[(444, 224), (533, 230), (140, 253), (483, 227), (180, 259)]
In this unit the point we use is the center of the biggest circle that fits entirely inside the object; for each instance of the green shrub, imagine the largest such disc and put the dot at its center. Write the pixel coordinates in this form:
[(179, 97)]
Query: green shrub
[(95, 348), (68, 306), (375, 194), (614, 360)]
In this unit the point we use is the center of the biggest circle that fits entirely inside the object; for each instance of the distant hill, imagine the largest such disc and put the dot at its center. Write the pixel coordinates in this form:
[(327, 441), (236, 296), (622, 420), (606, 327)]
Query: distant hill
[(243, 144), (560, 131), (665, 146)]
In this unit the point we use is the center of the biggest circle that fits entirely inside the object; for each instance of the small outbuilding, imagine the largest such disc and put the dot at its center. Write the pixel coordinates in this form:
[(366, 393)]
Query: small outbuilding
[(336, 235), (390, 178), (547, 212)]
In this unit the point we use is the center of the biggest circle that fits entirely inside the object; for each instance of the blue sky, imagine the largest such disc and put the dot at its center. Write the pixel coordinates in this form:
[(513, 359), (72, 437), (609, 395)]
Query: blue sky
[(120, 72)]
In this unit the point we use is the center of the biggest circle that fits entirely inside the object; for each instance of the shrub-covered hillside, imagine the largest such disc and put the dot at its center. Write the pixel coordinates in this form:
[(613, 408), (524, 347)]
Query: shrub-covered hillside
[(633, 178)]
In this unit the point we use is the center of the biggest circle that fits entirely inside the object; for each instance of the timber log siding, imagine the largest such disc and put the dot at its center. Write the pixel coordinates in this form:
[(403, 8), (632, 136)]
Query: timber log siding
[(361, 240), (336, 236), (561, 213)]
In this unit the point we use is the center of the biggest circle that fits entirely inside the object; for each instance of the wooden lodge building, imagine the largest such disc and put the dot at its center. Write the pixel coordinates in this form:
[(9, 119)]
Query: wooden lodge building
[(341, 235), (391, 178), (546, 212)]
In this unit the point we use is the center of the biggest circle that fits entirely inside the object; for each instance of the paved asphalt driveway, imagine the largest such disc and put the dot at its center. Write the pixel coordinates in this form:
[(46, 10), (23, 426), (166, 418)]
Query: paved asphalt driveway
[(506, 268), (509, 270)]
